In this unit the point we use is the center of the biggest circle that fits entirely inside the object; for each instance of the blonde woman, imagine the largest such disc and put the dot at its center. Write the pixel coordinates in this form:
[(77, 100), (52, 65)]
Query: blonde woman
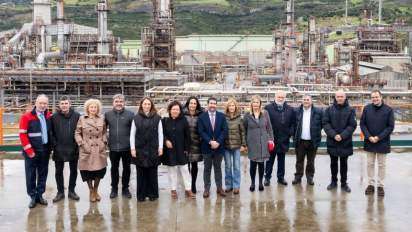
[(234, 144), (91, 137), (258, 134)]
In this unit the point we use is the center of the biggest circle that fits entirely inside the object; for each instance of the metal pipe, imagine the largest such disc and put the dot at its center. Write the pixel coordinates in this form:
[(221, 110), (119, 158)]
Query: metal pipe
[(44, 56)]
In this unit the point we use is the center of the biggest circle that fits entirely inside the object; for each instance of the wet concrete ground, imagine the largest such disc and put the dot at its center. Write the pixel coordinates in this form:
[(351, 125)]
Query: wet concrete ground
[(278, 208)]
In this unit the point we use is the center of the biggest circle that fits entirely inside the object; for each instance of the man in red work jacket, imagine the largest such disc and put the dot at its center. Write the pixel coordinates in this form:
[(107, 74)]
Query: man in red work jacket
[(35, 137)]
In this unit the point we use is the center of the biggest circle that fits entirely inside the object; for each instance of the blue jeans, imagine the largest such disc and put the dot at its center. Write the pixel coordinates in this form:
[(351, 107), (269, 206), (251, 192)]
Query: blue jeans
[(232, 169)]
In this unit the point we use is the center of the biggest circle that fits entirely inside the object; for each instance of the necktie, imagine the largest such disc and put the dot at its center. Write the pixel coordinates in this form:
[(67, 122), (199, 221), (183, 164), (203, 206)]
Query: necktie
[(212, 120), (43, 128)]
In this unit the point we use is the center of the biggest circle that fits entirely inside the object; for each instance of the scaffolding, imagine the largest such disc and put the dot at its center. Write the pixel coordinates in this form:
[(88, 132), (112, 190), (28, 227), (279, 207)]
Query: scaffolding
[(159, 40)]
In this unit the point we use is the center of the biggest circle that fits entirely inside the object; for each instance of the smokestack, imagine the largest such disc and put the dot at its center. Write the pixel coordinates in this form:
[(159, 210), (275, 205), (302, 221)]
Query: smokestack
[(164, 8), (42, 12), (312, 40), (60, 25), (102, 9)]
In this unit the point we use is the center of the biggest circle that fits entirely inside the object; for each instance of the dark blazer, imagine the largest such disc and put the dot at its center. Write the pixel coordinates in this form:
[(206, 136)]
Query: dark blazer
[(315, 125), (339, 119), (207, 134), (283, 125), (377, 121)]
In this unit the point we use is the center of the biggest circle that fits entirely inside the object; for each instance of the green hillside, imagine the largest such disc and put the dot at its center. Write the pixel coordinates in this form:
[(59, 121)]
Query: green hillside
[(127, 17)]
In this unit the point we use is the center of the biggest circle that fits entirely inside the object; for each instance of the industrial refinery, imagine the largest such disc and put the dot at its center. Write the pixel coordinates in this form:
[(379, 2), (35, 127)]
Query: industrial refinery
[(52, 55)]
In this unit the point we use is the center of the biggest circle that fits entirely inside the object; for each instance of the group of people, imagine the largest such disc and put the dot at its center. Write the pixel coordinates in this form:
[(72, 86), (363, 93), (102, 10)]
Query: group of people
[(191, 134)]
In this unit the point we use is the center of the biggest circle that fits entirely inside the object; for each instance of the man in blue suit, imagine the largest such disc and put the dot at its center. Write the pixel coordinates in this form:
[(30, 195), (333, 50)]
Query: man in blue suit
[(213, 131)]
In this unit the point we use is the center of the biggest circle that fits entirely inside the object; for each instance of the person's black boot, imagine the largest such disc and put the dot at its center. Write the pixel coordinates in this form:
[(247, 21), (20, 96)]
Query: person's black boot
[(113, 194), (32, 203), (332, 185), (126, 193), (59, 196), (345, 187), (310, 181), (267, 182), (296, 181), (41, 201), (252, 187), (72, 195), (282, 182)]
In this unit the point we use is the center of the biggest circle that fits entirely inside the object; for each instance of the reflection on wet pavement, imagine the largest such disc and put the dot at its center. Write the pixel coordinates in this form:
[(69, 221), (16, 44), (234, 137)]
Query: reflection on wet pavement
[(278, 208)]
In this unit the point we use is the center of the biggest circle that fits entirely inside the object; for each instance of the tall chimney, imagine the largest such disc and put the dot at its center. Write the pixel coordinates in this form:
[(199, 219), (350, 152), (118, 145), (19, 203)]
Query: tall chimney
[(60, 25), (42, 12), (102, 9)]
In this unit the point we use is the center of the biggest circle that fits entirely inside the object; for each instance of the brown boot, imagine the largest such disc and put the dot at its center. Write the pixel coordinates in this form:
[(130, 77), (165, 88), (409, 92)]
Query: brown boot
[(206, 194), (92, 196), (98, 198), (189, 194), (173, 194), (236, 191), (221, 192), (369, 190), (381, 192)]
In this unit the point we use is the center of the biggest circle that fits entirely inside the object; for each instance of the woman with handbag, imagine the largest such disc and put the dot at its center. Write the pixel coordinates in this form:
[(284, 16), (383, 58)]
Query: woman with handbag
[(259, 139)]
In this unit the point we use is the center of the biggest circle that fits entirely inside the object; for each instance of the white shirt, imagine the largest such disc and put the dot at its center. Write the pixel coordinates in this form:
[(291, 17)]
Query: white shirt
[(133, 134), (306, 124)]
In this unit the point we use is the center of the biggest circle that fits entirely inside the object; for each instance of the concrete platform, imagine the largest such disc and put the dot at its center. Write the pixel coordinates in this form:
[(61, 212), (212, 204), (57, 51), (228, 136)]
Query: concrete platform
[(278, 208)]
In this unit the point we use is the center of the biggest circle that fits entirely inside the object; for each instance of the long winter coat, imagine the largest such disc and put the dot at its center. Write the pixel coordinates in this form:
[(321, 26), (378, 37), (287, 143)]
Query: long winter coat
[(283, 125), (195, 154), (258, 133), (339, 119), (377, 121), (178, 133), (64, 145), (91, 136)]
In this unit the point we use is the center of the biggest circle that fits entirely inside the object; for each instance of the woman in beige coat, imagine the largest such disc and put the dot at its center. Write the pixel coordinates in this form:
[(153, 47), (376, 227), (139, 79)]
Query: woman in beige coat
[(91, 137)]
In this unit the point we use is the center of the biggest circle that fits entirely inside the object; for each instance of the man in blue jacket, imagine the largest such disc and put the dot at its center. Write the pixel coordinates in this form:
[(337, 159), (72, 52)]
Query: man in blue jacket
[(377, 123), (212, 127)]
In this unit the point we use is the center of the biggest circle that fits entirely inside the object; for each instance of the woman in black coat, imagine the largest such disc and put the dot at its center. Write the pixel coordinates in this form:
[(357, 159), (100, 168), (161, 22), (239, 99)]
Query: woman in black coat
[(192, 110), (177, 147), (146, 145)]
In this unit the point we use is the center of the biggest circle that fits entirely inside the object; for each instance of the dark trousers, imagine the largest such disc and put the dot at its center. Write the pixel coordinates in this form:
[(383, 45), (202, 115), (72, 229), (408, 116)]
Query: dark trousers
[(281, 166), (261, 169), (343, 169), (147, 183), (36, 170), (114, 171), (193, 172), (306, 149), (215, 161), (59, 175)]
